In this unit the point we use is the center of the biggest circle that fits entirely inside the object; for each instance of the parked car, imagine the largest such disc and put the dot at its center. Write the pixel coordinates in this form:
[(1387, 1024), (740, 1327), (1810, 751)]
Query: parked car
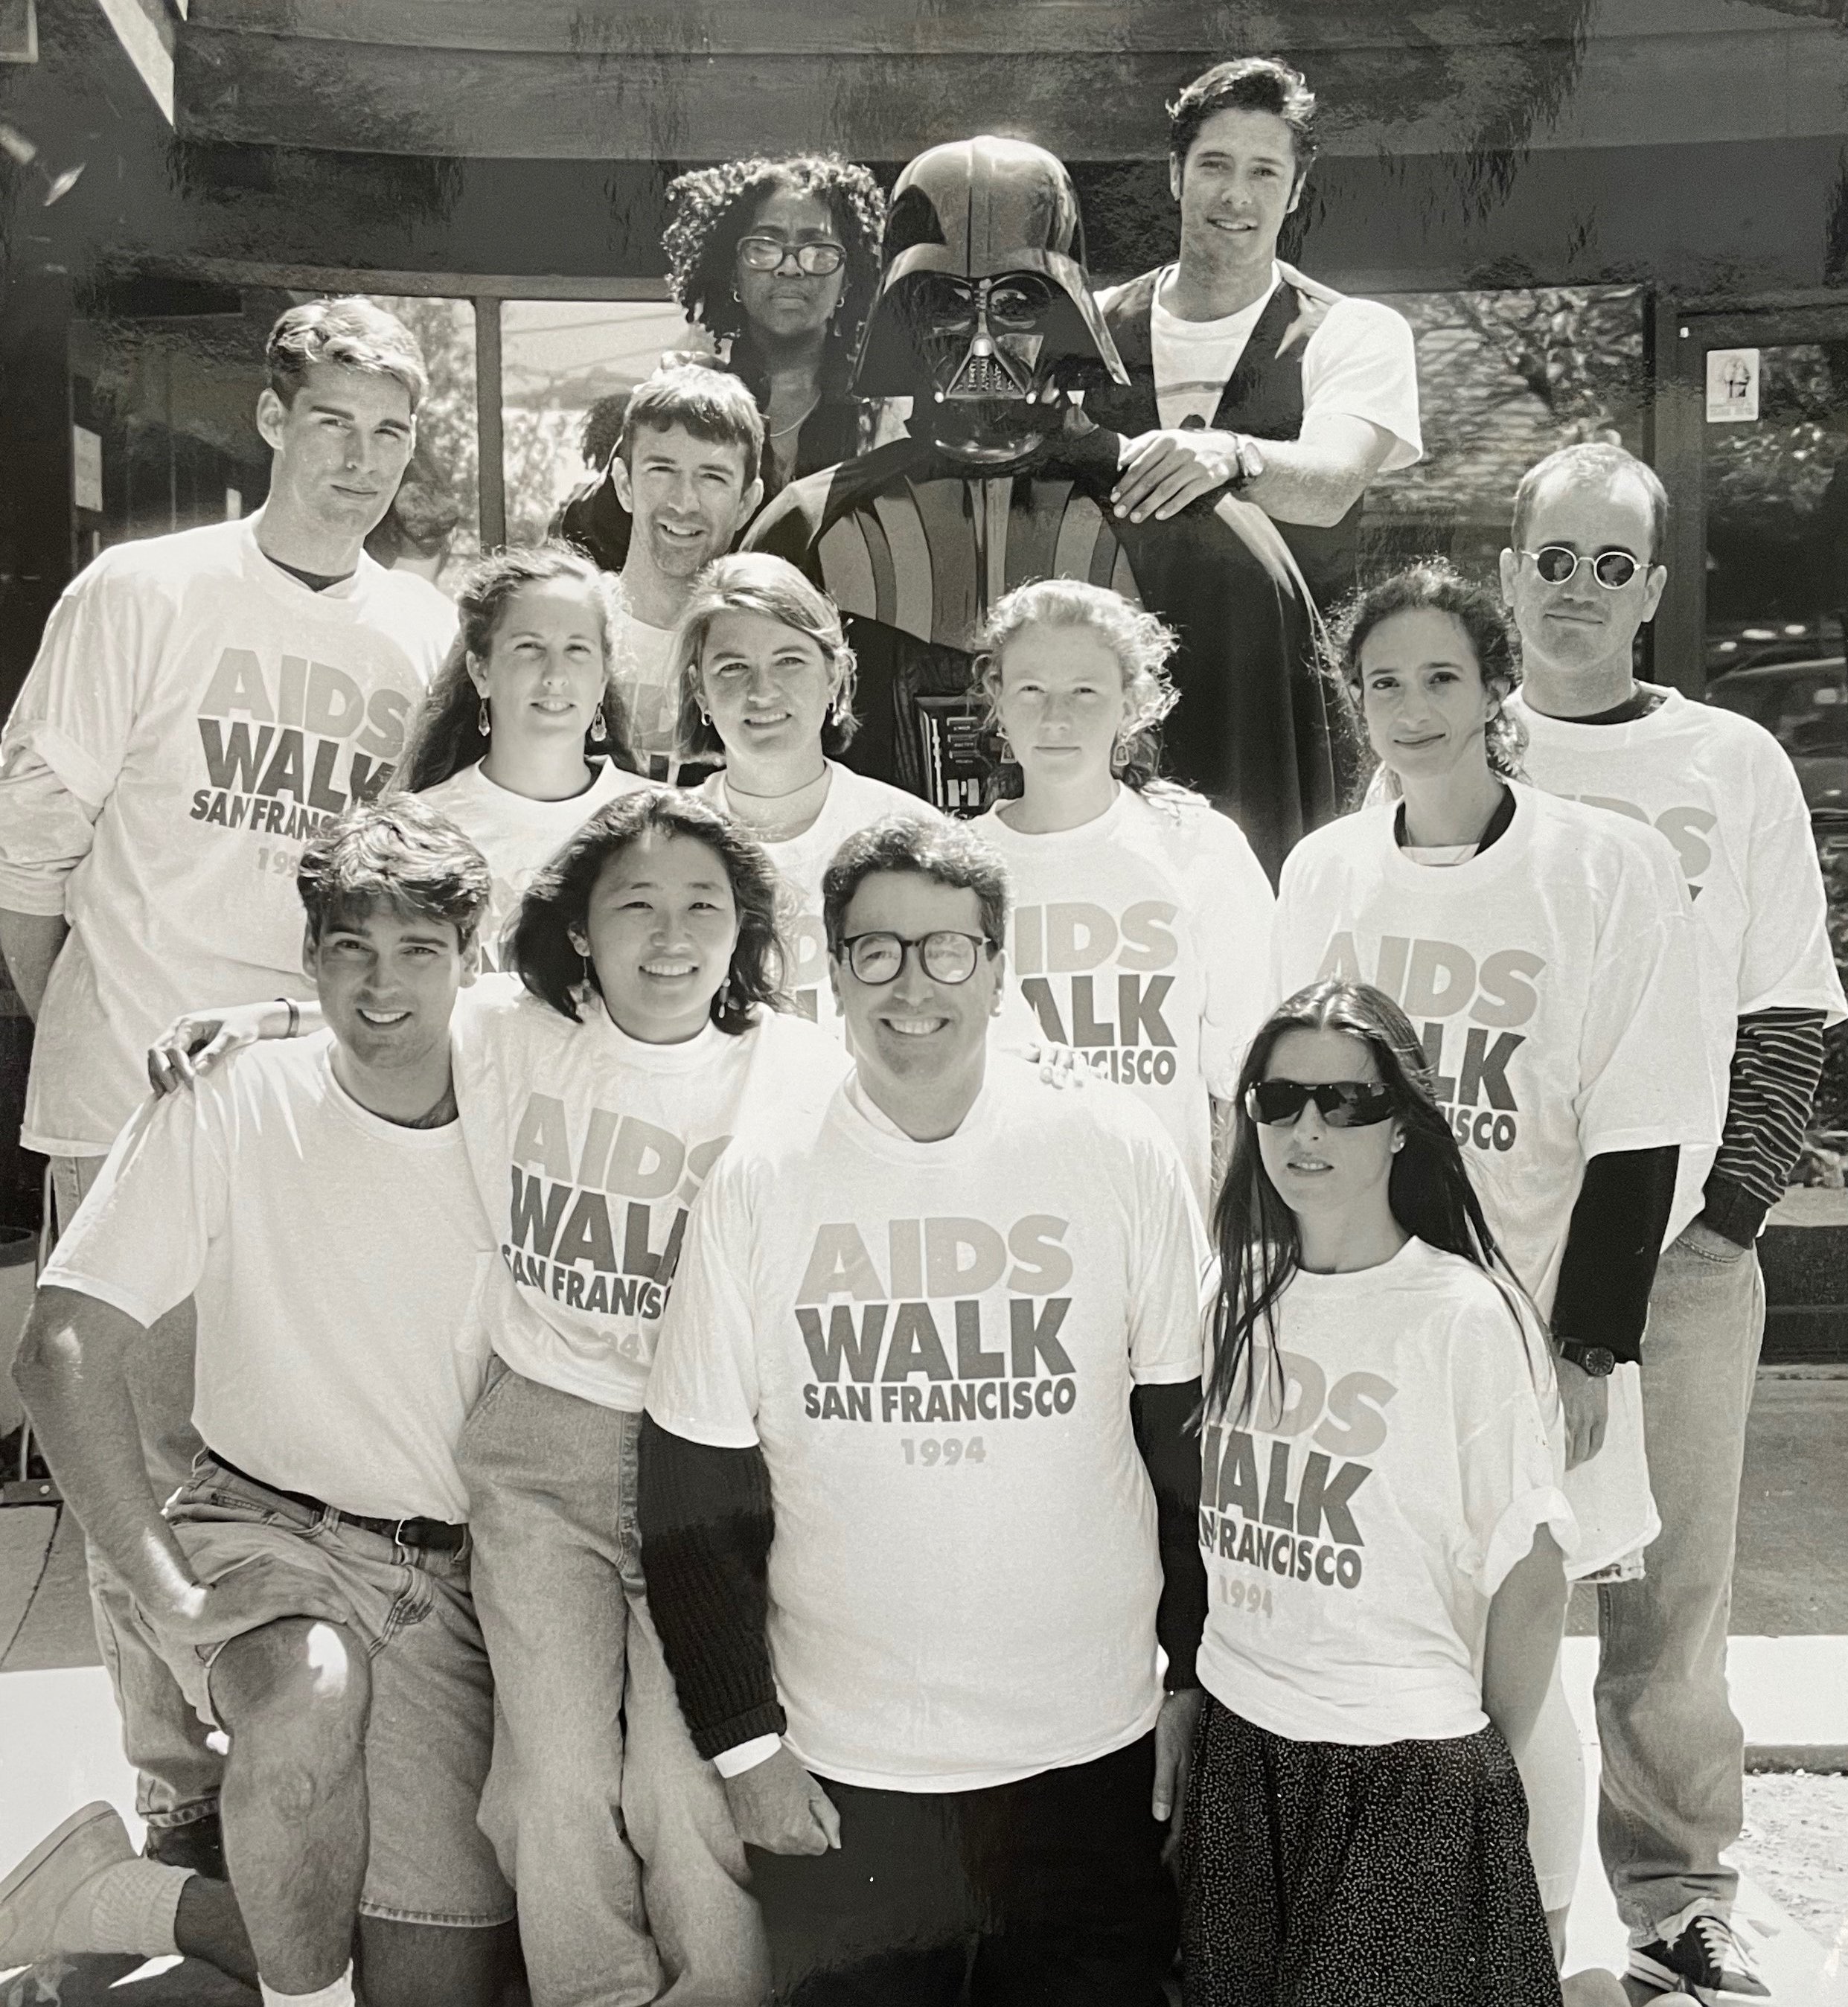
[(1804, 706)]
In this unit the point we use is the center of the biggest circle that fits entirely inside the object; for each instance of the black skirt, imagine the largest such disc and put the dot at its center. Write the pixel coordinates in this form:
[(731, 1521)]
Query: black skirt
[(1326, 1874)]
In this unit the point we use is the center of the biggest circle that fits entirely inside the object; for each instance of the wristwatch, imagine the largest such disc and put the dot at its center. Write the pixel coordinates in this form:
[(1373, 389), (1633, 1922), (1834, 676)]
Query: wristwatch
[(1250, 464), (1598, 1360)]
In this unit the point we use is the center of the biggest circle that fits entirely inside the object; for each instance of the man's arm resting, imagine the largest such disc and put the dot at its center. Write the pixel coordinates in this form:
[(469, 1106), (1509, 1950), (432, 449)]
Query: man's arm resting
[(707, 1523), (1161, 1417), (1777, 1059), (69, 1374), (1314, 480), (30, 942)]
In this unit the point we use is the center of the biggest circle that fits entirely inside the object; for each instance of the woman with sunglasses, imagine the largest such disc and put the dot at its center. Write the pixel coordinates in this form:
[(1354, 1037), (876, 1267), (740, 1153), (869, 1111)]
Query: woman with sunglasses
[(1544, 951), (1383, 1528), (1140, 931), (596, 1093), (778, 262)]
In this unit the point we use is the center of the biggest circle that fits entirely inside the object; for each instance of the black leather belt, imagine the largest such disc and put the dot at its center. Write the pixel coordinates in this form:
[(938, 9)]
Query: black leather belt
[(438, 1536)]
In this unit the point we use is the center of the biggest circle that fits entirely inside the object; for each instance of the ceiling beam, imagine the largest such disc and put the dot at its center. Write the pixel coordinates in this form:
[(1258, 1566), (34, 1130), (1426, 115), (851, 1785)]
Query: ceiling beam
[(145, 29)]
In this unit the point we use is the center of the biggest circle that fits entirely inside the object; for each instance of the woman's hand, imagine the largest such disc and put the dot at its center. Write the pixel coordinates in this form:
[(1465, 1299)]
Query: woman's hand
[(197, 1040), (1174, 1728)]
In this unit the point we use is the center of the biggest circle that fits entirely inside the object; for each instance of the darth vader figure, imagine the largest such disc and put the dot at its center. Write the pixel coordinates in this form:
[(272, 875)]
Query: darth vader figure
[(985, 320)]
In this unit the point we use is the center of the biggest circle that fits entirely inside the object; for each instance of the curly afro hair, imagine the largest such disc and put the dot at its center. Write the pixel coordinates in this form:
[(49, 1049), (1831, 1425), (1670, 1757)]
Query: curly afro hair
[(711, 208)]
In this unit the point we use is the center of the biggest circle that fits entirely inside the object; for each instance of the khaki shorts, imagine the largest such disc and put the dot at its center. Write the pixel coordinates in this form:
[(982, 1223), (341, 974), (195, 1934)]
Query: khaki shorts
[(431, 1728)]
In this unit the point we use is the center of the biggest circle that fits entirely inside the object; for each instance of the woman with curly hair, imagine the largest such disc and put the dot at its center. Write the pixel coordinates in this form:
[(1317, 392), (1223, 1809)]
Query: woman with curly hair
[(780, 260), (522, 735), (1141, 924)]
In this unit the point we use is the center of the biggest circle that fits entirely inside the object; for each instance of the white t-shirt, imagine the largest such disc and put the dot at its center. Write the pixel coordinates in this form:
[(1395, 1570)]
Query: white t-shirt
[(194, 714), (650, 692), (854, 803), (517, 835), (588, 1148), (1357, 1519), (1553, 979), (1359, 362), (341, 1264), (1143, 939), (1723, 792), (935, 1345)]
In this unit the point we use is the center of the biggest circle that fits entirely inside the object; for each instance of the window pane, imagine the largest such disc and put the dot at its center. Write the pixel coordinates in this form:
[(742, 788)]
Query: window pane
[(165, 378), (562, 361), (1504, 379)]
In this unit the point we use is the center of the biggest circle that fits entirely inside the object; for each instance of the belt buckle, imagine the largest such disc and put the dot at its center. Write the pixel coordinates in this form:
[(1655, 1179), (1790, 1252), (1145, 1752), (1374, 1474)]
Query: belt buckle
[(401, 1543)]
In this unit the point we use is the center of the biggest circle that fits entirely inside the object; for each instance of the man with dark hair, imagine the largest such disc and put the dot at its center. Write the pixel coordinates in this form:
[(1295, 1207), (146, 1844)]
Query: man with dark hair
[(687, 470), (1246, 377), (200, 702), (952, 1324), (1582, 574), (309, 1586)]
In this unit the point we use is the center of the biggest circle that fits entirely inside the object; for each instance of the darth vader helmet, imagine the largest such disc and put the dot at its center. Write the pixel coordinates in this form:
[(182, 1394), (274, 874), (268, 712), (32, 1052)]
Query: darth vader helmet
[(985, 309)]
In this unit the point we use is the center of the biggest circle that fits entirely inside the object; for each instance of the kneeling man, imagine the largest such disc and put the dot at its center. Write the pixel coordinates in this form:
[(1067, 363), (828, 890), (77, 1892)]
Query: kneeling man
[(310, 1587), (951, 1325)]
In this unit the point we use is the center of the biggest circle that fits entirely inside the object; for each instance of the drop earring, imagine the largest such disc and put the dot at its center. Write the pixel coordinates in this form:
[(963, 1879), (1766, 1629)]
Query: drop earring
[(482, 719), (599, 729)]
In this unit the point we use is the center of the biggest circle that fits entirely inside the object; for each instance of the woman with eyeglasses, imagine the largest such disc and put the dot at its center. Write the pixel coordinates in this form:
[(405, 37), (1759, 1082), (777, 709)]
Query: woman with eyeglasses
[(778, 262), (1383, 1529), (1544, 951), (1140, 931), (766, 680)]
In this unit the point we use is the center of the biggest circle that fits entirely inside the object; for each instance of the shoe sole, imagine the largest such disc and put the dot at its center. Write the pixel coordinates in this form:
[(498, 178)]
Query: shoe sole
[(97, 1808), (1665, 1980)]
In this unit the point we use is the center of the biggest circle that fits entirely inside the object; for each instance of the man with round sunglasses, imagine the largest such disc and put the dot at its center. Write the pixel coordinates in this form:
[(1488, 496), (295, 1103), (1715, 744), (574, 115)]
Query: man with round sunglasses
[(1582, 574), (951, 1325)]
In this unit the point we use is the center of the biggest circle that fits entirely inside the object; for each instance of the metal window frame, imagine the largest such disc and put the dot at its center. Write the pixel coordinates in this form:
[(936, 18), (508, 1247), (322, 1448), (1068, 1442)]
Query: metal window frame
[(484, 293)]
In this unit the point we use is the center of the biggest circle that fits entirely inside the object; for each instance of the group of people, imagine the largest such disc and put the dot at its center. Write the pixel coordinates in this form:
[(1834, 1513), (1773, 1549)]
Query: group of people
[(701, 1383)]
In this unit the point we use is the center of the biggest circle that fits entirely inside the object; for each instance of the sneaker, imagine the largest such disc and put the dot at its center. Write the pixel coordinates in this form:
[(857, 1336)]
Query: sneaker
[(1705, 1959), (52, 1877)]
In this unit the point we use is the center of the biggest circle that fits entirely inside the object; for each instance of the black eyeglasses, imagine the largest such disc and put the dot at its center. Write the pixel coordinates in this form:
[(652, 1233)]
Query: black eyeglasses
[(1342, 1104), (1556, 562), (946, 956), (766, 254)]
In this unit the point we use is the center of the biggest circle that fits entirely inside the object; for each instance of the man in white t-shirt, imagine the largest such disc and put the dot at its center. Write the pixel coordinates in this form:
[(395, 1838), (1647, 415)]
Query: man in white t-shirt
[(1246, 377), (951, 1322), (309, 1588), (687, 470), (201, 702), (1582, 574)]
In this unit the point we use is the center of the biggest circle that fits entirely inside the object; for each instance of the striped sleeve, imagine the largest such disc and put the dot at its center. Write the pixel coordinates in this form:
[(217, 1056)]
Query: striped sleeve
[(1776, 1062)]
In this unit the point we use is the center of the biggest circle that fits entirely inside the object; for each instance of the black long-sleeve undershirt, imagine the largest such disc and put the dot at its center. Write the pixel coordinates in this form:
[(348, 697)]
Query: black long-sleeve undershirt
[(1611, 1245), (706, 1521)]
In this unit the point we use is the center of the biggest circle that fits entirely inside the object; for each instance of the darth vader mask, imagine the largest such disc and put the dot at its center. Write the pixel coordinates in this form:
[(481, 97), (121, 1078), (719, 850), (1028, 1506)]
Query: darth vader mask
[(985, 317)]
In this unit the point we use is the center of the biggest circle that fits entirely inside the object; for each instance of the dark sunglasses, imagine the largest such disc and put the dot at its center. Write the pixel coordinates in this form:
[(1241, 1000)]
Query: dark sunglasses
[(766, 254), (1342, 1104), (1612, 569)]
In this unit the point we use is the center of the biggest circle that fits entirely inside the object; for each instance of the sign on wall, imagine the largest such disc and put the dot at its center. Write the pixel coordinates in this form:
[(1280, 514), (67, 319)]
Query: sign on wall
[(86, 468), (1732, 385)]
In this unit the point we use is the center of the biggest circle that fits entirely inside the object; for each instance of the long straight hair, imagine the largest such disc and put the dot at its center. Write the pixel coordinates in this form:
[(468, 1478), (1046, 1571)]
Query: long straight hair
[(446, 734), (1260, 1245)]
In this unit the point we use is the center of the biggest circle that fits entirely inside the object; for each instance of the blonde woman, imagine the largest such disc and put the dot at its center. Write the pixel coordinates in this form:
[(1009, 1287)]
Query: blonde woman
[(1140, 932), (766, 680)]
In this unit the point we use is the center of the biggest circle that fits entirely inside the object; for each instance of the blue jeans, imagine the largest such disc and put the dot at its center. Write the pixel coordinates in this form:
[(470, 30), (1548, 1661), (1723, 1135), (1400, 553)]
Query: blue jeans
[(1671, 1797), (614, 1832), (177, 1772)]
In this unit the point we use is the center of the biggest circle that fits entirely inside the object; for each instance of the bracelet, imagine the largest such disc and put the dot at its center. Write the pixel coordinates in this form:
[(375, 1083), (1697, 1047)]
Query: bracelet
[(294, 1011)]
